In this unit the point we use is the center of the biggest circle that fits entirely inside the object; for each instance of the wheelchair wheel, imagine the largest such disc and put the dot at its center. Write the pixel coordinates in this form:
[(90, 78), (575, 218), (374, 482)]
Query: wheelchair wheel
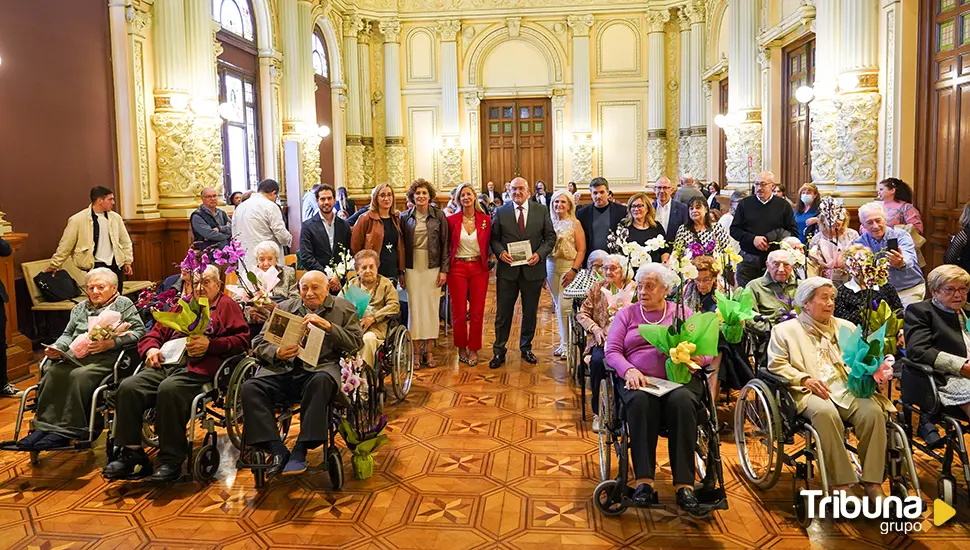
[(234, 409), (602, 498), (946, 488), (606, 429), (402, 362), (148, 435), (335, 469), (206, 463), (851, 439), (700, 454), (259, 473), (757, 426), (801, 511)]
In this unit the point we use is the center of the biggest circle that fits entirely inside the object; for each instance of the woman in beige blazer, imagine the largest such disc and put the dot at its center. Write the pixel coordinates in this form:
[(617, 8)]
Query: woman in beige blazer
[(805, 351)]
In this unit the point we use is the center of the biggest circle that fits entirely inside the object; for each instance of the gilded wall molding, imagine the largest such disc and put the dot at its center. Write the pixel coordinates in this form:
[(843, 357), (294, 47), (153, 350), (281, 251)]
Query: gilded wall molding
[(355, 167), (559, 111), (487, 41), (396, 154), (472, 108), (634, 26), (656, 158), (672, 116), (697, 153), (411, 35), (310, 160), (823, 140), (171, 143), (580, 149), (889, 133), (450, 166)]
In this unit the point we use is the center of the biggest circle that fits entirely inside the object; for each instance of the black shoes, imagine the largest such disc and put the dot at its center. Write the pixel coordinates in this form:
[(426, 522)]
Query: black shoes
[(496, 361), (529, 357), (687, 501), (644, 496), (277, 461), (930, 435), (167, 473), (130, 464)]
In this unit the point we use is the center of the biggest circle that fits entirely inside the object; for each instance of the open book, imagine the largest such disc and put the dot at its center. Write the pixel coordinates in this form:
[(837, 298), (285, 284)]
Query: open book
[(659, 386), (173, 351), (66, 356), (286, 329)]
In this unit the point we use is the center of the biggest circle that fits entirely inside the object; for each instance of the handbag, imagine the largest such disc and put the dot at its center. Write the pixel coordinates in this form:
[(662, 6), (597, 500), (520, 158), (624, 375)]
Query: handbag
[(58, 286)]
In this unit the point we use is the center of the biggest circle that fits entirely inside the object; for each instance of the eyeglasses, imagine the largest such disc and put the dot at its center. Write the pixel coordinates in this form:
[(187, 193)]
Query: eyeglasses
[(764, 184), (612, 267), (649, 287), (705, 280), (664, 188), (954, 290), (637, 206)]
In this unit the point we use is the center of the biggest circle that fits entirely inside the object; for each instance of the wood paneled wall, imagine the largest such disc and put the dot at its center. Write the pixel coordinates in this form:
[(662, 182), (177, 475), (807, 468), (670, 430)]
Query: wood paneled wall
[(159, 246)]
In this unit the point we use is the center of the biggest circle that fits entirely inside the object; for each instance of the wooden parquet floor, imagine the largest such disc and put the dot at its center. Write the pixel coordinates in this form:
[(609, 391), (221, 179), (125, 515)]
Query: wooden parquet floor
[(477, 459)]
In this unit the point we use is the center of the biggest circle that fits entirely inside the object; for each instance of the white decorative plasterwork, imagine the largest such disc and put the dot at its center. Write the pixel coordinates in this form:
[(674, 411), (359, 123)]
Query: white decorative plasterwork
[(743, 155), (513, 24), (580, 24), (138, 21), (823, 140), (352, 24), (601, 50), (698, 156), (395, 156), (409, 52), (391, 29), (582, 161), (141, 126), (657, 20), (552, 51), (449, 30), (559, 111), (205, 159), (857, 135), (468, 32), (450, 166), (683, 149), (890, 120), (472, 104), (172, 143), (656, 158)]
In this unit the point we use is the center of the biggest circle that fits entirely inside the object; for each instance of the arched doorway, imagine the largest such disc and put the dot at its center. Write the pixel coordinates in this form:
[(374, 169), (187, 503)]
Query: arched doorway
[(324, 105)]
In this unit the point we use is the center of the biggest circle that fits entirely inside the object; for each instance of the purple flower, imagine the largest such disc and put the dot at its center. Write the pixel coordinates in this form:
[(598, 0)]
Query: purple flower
[(189, 263), (219, 257), (696, 249), (709, 247)]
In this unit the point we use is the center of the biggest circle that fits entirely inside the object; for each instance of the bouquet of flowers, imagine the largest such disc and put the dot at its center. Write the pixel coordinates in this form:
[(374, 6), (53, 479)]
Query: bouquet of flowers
[(352, 381), (149, 302), (190, 314), (638, 254), (615, 301), (362, 445), (698, 335), (340, 267), (107, 325), (864, 358), (734, 309)]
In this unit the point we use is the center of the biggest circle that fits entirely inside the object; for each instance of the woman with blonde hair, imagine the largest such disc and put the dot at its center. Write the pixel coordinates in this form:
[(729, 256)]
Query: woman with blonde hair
[(642, 224), (566, 258), (471, 231), (379, 229)]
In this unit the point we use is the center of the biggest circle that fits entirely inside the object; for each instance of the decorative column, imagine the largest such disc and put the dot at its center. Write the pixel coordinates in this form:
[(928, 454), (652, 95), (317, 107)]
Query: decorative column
[(582, 145), (559, 114), (697, 157), (355, 148), (824, 115), (394, 150), (857, 125), (744, 138), (128, 29), (892, 66), (656, 102), (171, 120), (472, 104), (309, 138), (366, 104), (292, 81), (683, 159), (205, 164), (451, 150)]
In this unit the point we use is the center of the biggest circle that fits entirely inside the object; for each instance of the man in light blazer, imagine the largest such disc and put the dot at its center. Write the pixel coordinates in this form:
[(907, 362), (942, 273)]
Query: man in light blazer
[(670, 213), (518, 220)]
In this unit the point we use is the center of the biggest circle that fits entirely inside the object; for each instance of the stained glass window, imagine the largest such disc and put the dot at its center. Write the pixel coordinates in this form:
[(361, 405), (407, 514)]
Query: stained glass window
[(946, 35), (320, 57), (235, 16), (238, 92)]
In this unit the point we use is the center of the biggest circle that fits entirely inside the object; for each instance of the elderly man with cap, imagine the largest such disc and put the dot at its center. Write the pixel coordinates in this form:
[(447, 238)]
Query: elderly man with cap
[(285, 377)]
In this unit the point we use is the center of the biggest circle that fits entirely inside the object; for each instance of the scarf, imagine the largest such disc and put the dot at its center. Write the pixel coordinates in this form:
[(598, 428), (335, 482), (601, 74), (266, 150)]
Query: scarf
[(827, 338)]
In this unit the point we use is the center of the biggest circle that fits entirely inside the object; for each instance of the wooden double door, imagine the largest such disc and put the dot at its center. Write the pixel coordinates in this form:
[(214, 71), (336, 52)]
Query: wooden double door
[(516, 141)]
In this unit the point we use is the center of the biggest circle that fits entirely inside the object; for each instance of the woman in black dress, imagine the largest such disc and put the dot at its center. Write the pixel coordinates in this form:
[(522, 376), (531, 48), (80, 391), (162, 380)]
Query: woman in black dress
[(641, 225)]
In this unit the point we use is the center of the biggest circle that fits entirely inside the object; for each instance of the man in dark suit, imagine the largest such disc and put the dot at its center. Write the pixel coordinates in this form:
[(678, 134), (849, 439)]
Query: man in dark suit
[(600, 218), (670, 213), (519, 220), (324, 236), (6, 388)]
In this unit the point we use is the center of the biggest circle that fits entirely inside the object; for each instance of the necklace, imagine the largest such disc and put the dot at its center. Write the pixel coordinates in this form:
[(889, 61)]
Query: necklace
[(643, 314)]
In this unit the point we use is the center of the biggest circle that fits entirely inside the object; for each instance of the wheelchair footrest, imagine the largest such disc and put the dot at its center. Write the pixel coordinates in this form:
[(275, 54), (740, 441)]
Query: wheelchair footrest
[(12, 446)]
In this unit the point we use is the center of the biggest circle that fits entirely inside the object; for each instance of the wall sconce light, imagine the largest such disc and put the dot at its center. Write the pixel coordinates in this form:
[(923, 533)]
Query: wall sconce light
[(848, 82), (323, 131), (179, 102), (720, 120), (804, 94), (225, 111)]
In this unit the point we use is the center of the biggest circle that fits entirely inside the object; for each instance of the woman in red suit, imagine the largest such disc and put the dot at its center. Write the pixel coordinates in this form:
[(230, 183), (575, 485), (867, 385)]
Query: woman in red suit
[(471, 229)]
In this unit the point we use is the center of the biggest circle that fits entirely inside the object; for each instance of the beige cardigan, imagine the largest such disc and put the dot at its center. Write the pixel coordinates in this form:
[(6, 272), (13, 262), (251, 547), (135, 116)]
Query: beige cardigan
[(385, 303), (77, 242), (793, 355)]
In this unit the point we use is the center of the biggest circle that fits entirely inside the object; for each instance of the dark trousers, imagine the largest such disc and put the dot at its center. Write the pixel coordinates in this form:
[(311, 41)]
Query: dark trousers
[(507, 291), (117, 270), (171, 393), (597, 371), (748, 270), (314, 390), (677, 410), (3, 346)]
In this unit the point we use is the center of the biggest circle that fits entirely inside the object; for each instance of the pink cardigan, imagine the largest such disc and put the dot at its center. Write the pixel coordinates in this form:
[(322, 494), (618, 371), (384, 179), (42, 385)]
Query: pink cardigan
[(626, 349)]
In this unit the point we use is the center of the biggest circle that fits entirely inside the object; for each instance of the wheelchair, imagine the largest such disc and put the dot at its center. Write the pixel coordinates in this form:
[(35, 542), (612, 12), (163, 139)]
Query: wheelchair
[(101, 405), (920, 397), (208, 411), (765, 421), (395, 356), (612, 496), (575, 346), (360, 418)]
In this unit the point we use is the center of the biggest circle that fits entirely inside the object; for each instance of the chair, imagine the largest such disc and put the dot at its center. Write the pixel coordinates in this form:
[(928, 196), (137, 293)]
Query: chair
[(32, 269), (290, 260)]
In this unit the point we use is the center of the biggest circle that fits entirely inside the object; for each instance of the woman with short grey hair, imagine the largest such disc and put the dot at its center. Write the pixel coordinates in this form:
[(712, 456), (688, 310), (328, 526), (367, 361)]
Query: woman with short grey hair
[(805, 352), (267, 256), (64, 398), (585, 279)]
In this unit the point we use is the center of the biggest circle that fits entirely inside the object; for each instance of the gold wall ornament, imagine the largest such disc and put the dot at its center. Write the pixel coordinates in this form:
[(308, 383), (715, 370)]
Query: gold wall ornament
[(368, 173), (204, 158), (656, 157), (310, 160), (450, 166), (355, 166), (582, 162), (672, 71), (395, 154), (171, 143), (857, 137)]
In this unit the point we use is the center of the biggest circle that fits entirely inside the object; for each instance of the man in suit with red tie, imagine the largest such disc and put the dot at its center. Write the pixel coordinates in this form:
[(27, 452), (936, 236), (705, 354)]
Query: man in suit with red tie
[(516, 221)]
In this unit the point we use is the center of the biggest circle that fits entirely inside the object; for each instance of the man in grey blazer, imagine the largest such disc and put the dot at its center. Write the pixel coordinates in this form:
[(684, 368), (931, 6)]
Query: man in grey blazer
[(519, 220), (285, 377)]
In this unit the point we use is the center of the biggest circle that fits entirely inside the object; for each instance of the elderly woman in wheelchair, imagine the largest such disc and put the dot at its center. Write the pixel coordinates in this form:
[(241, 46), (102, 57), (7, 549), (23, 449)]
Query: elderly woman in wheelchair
[(172, 388), (285, 378), (804, 353), (384, 303), (76, 367), (633, 359)]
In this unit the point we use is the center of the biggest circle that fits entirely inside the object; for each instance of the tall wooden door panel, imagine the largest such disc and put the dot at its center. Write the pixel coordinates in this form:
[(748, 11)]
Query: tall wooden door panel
[(942, 185), (516, 141), (722, 137), (796, 167)]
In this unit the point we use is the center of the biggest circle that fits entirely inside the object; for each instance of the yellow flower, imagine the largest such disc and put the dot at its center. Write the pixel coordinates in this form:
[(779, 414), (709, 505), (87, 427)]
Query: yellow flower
[(682, 354)]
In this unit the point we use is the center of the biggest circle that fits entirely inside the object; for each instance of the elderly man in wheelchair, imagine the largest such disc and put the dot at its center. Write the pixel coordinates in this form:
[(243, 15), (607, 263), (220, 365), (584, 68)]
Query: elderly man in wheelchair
[(171, 388), (285, 378), (76, 367), (384, 304), (804, 354)]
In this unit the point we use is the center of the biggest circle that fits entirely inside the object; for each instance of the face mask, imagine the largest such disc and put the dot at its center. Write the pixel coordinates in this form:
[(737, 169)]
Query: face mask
[(808, 199)]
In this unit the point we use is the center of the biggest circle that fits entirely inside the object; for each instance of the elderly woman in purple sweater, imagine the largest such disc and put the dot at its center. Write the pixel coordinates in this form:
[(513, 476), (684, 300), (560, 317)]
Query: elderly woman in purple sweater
[(633, 359)]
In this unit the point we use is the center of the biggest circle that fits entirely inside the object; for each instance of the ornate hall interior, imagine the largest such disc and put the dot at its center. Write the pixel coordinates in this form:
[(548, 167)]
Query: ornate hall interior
[(159, 99)]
